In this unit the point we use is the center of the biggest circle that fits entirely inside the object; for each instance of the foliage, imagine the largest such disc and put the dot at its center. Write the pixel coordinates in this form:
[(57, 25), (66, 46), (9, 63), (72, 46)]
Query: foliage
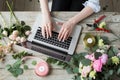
[(20, 55), (97, 63), (15, 69), (15, 31)]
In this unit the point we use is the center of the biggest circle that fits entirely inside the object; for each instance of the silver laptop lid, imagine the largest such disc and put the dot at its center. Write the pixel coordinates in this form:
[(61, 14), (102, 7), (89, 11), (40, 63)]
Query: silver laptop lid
[(75, 35)]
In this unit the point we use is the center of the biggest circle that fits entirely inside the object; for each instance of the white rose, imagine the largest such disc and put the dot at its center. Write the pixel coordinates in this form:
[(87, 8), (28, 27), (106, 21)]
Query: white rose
[(27, 33), (16, 32), (23, 39), (12, 37), (5, 33), (18, 39)]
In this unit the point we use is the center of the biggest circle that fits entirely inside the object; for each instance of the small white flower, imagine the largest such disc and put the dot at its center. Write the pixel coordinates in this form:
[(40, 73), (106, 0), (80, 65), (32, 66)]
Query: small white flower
[(102, 51), (16, 32), (5, 33), (12, 42), (23, 39), (27, 33), (12, 37), (98, 50), (18, 39), (15, 42)]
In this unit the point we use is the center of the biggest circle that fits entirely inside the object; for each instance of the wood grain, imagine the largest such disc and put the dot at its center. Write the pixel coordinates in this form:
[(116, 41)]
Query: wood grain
[(57, 73)]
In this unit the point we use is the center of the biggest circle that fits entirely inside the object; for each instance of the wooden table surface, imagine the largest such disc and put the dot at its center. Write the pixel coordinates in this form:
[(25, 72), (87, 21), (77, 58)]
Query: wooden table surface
[(56, 73)]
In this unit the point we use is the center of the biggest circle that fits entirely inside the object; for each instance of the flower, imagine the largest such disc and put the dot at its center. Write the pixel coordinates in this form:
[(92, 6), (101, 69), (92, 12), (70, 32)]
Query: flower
[(12, 37), (101, 51), (100, 43), (91, 57), (5, 33), (104, 59), (27, 33), (15, 32), (92, 74), (97, 65), (23, 39), (18, 39), (115, 60), (118, 54), (102, 25), (85, 71)]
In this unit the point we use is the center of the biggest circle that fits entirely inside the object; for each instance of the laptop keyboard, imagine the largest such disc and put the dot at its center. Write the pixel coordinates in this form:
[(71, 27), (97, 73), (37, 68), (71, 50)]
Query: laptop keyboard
[(53, 40)]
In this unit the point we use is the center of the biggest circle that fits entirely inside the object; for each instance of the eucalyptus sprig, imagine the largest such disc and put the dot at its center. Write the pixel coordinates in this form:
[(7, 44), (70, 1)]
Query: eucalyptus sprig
[(20, 55), (15, 69)]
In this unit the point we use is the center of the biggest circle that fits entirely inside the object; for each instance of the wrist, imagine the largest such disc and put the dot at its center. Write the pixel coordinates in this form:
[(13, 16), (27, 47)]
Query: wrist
[(72, 21)]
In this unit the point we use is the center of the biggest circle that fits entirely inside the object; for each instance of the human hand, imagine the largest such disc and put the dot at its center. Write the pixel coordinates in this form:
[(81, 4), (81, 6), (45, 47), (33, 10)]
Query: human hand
[(47, 27), (66, 30)]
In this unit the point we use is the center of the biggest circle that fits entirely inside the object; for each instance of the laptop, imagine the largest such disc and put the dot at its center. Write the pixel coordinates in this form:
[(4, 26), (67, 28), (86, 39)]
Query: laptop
[(52, 46)]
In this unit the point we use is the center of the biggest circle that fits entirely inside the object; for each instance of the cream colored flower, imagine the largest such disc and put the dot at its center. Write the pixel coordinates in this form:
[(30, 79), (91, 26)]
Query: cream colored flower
[(115, 60), (100, 43), (92, 74), (102, 25), (5, 33)]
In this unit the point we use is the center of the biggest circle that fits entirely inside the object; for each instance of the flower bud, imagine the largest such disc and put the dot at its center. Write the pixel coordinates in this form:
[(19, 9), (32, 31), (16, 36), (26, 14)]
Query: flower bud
[(23, 39), (16, 32), (5, 33), (27, 33)]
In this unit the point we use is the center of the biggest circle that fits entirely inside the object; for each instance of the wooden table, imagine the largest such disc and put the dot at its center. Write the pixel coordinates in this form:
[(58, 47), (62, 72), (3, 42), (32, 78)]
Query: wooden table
[(56, 72)]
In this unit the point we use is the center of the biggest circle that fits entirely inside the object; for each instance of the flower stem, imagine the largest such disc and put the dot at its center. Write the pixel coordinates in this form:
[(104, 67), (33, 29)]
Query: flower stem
[(12, 12), (4, 22)]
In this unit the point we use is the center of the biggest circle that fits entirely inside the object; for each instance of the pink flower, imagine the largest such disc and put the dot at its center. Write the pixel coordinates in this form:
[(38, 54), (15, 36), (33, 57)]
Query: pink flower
[(85, 71), (118, 54), (104, 59), (91, 57), (97, 65), (12, 37)]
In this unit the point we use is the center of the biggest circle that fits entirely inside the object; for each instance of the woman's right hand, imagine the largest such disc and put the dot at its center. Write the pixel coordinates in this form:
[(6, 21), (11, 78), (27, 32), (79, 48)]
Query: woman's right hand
[(47, 27)]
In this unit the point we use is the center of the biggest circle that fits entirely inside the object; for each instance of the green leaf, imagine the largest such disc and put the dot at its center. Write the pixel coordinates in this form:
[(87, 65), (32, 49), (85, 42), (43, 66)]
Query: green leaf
[(17, 64), (8, 67), (115, 50), (110, 72), (76, 70), (78, 78), (19, 71), (25, 67), (22, 23), (69, 70), (97, 55), (118, 71), (86, 62), (26, 28), (34, 62)]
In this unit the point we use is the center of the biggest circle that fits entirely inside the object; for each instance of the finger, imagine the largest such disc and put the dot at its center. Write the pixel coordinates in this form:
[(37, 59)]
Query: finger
[(43, 31), (65, 36), (50, 30), (60, 33), (59, 23), (46, 30), (68, 36)]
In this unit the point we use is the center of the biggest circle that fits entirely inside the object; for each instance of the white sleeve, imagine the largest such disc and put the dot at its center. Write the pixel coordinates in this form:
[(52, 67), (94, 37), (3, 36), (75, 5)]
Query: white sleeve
[(94, 4)]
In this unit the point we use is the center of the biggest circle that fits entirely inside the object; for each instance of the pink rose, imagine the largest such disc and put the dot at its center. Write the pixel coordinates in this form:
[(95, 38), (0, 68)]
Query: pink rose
[(91, 57), (118, 54), (104, 59), (97, 65), (85, 71)]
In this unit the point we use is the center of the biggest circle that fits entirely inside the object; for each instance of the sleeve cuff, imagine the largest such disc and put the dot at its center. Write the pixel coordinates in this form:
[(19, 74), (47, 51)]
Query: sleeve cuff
[(95, 6)]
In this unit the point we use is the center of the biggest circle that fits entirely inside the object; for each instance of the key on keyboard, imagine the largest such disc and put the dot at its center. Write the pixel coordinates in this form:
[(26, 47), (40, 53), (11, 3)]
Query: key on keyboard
[(53, 40)]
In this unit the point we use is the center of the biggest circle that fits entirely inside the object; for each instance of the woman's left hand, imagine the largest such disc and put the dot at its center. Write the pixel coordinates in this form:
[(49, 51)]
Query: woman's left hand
[(66, 30)]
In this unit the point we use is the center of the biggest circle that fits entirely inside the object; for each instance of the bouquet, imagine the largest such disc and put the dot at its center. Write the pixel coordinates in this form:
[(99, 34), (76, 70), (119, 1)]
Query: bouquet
[(101, 61)]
